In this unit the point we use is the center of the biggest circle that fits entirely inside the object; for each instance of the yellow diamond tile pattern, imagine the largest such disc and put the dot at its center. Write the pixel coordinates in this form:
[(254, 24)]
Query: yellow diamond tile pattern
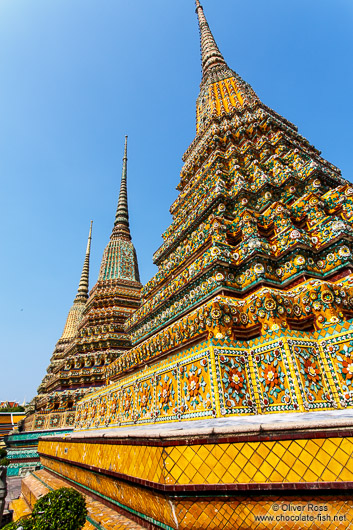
[(139, 499), (251, 462), (143, 462), (250, 513), (322, 460), (40, 482), (230, 513), (317, 460)]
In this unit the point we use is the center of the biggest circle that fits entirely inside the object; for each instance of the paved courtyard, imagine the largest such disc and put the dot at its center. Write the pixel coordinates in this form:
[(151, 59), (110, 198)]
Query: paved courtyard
[(13, 489)]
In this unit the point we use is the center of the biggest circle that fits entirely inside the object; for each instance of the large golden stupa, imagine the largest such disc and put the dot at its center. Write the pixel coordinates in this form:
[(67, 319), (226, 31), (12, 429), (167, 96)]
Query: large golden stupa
[(232, 407)]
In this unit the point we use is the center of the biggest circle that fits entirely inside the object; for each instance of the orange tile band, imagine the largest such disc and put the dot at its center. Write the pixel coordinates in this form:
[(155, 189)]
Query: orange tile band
[(281, 462), (215, 509)]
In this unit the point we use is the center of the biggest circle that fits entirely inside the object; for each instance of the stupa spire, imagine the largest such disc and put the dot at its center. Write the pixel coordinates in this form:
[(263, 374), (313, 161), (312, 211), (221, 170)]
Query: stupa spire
[(211, 56), (119, 259), (121, 224), (82, 291), (216, 100)]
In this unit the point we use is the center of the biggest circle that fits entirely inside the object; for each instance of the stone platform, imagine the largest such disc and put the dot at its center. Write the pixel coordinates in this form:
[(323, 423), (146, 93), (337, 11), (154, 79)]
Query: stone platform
[(289, 470), (99, 516), (13, 489), (22, 450)]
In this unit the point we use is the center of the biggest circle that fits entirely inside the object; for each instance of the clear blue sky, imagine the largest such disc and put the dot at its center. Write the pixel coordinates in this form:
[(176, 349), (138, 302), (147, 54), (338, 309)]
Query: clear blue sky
[(76, 76)]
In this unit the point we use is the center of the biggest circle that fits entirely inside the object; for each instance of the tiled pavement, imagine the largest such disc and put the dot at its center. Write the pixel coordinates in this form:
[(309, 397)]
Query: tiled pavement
[(13, 489)]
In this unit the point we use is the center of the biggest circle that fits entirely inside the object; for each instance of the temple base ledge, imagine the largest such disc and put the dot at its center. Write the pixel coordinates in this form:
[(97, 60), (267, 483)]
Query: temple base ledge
[(261, 424)]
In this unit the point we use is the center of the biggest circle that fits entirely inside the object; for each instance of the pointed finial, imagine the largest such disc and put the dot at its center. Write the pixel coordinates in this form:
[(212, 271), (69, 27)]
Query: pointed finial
[(121, 224), (82, 291), (88, 249), (211, 56), (125, 148)]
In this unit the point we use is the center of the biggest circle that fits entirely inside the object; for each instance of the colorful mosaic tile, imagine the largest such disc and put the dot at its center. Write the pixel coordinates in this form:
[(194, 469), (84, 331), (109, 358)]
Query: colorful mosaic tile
[(339, 351), (234, 382), (274, 378), (251, 311), (311, 375), (280, 372)]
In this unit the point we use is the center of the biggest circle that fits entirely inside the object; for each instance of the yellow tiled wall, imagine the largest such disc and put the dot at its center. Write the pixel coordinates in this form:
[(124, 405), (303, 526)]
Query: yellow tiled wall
[(301, 460)]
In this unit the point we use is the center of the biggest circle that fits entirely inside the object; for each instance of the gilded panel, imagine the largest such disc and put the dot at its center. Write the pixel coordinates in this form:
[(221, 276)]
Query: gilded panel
[(144, 399), (167, 403), (117, 404), (338, 351), (128, 402), (181, 387), (313, 383), (234, 382), (273, 378), (196, 389), (69, 419), (39, 422), (55, 420), (101, 411)]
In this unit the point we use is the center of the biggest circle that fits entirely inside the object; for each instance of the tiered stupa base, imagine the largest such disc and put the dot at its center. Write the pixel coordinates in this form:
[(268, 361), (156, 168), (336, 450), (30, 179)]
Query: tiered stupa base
[(271, 436), (45, 421), (99, 515), (278, 471), (281, 371), (22, 450)]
